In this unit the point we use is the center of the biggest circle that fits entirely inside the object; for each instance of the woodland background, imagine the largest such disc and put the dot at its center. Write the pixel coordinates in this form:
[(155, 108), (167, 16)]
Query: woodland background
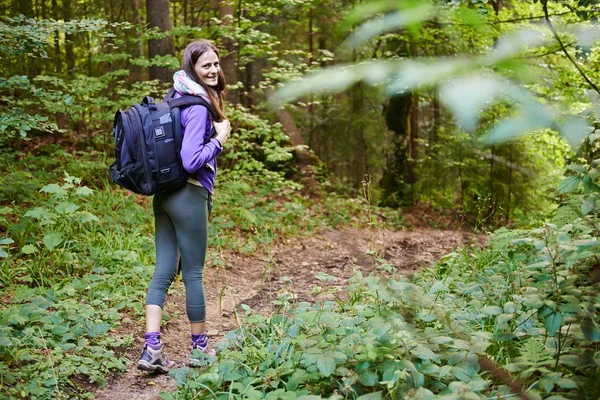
[(484, 112)]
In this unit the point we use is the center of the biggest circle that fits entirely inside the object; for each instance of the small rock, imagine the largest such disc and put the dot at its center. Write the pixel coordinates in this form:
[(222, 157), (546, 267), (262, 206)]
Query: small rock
[(212, 333)]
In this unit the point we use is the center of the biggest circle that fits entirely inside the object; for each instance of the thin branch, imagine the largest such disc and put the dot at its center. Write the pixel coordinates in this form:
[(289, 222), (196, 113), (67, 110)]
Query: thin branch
[(504, 377), (562, 46), (507, 21), (531, 18), (550, 52)]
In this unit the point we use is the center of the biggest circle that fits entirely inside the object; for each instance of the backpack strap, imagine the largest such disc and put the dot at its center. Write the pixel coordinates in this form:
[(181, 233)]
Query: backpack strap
[(175, 106), (189, 100)]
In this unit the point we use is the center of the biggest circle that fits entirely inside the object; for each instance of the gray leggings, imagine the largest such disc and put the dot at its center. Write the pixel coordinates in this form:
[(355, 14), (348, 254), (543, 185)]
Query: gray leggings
[(181, 221)]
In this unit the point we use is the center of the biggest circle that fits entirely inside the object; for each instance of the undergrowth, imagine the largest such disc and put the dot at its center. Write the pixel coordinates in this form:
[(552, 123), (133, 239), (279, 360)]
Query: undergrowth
[(77, 253), (528, 303)]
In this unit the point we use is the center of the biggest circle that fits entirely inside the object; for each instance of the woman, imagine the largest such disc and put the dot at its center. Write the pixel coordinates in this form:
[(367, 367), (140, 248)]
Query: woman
[(181, 217)]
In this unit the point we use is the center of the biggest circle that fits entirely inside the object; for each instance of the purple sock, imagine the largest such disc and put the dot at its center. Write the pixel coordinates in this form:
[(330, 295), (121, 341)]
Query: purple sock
[(153, 339), (200, 340)]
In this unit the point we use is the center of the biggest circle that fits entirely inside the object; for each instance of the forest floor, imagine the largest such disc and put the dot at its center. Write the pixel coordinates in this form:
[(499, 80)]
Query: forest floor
[(256, 280)]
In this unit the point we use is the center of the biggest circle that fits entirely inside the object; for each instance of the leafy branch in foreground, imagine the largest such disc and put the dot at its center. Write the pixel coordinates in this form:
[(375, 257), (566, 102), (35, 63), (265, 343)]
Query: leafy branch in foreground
[(476, 82)]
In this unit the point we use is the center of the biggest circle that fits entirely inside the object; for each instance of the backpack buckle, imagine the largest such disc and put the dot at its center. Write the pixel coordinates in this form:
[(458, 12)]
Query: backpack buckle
[(165, 174)]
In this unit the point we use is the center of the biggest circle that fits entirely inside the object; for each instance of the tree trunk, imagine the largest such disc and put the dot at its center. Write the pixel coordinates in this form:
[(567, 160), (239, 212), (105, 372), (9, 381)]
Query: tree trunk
[(248, 99), (26, 8), (159, 16), (43, 9), (228, 59), (309, 61), (436, 118), (411, 175), (68, 16), (137, 72), (32, 65), (497, 6), (57, 53), (396, 192)]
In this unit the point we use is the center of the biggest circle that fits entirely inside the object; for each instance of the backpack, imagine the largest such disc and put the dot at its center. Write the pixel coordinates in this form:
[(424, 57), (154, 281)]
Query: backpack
[(148, 144)]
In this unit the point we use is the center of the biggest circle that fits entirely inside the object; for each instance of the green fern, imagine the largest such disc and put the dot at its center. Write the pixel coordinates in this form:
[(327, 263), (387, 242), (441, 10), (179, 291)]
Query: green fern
[(568, 212)]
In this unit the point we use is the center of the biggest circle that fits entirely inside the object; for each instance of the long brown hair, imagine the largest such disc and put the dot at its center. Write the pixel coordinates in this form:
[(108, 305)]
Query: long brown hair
[(192, 52)]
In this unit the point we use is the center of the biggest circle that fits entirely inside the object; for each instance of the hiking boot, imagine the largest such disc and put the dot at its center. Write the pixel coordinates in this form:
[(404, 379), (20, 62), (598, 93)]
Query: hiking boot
[(154, 360)]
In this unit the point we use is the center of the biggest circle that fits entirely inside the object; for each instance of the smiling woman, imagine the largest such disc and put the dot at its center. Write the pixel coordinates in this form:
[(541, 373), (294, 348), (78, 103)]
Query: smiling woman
[(181, 217)]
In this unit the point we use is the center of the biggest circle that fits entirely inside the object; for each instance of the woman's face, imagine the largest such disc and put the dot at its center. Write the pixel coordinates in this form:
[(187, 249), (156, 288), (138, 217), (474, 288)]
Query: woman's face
[(207, 67)]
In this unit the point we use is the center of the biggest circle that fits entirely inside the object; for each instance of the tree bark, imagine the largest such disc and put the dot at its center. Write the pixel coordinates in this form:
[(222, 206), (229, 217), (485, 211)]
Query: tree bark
[(57, 52), (32, 65), (394, 180), (228, 59), (411, 175), (70, 56), (26, 8), (159, 16), (436, 118), (137, 72)]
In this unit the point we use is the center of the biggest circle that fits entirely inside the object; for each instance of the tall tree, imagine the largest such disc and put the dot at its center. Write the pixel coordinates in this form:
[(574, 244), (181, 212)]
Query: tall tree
[(397, 169), (228, 60), (68, 15), (137, 72), (159, 16)]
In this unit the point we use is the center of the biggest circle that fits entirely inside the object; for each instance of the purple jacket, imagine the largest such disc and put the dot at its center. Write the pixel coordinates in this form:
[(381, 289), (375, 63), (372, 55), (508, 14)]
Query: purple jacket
[(199, 159)]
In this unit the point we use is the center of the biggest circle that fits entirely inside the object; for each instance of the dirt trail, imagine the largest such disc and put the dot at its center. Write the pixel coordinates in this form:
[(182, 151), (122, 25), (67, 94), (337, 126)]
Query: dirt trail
[(255, 281)]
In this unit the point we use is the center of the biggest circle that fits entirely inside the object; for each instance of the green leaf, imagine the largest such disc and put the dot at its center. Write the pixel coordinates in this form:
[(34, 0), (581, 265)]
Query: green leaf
[(29, 249), (569, 184), (504, 336), (367, 10), (533, 117), (587, 206), (440, 340), (418, 379), (336, 78), (510, 45), (467, 97), (53, 239), (577, 168), (325, 364), (371, 396), (85, 216), (5, 210), (412, 74), (590, 330), (6, 241), (566, 383), (491, 310), (37, 213), (575, 129), (179, 375), (553, 322), (17, 319), (5, 341), (83, 191), (66, 208), (388, 22), (423, 353), (54, 188), (586, 243), (368, 378)]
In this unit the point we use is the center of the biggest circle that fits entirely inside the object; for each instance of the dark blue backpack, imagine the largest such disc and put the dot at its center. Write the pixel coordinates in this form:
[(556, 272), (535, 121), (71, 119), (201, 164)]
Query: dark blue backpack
[(148, 144)]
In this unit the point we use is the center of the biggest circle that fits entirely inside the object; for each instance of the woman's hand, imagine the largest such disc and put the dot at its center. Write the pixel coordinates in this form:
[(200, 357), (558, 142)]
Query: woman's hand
[(223, 129)]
